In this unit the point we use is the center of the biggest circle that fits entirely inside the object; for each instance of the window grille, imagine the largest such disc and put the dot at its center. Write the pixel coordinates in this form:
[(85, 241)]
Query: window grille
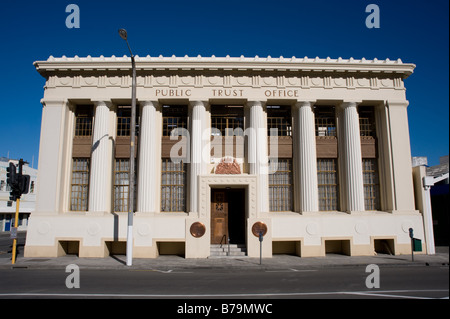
[(80, 184), (83, 121), (371, 184), (279, 117), (122, 185), (280, 186), (328, 184), (173, 117), (367, 121), (123, 121), (173, 181), (325, 121), (226, 119)]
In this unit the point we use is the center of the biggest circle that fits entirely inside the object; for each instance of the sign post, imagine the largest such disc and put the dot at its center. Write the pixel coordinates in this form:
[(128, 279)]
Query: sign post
[(259, 229), (260, 246), (14, 232)]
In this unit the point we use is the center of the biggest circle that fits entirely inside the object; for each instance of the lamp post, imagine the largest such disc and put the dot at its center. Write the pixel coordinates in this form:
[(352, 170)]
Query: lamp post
[(124, 36)]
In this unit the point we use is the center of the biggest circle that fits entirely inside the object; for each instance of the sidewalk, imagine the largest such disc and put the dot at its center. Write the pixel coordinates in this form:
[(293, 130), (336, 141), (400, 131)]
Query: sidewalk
[(277, 262)]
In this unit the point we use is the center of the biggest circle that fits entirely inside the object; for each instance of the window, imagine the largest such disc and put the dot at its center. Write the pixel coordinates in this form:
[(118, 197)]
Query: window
[(371, 184), (174, 117), (367, 121), (121, 185), (83, 121), (123, 121), (2, 185), (280, 186), (279, 117), (328, 184), (32, 187), (226, 119), (325, 121), (173, 181), (80, 184)]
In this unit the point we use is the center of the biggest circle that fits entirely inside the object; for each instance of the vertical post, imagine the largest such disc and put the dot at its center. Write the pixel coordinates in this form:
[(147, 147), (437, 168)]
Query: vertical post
[(16, 219), (411, 235), (260, 246), (131, 186)]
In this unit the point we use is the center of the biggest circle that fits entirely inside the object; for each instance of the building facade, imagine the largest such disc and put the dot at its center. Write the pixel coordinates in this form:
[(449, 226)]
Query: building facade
[(314, 152), (7, 206)]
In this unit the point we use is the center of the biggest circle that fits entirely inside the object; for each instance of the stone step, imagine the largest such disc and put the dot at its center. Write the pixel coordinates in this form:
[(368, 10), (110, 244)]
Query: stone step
[(224, 250)]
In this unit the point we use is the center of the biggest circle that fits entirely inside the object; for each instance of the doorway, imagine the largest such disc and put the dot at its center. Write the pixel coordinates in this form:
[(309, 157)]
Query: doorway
[(228, 215)]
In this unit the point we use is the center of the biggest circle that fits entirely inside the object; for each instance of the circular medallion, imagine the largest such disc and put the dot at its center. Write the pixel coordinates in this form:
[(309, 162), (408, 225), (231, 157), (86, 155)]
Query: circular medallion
[(259, 227), (197, 229)]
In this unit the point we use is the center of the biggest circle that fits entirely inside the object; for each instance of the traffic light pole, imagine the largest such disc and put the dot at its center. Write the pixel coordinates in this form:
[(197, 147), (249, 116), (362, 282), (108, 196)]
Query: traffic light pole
[(16, 223)]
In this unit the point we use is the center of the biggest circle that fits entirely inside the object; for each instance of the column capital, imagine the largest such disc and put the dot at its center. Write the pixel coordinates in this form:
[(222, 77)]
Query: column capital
[(149, 102), (346, 104), (401, 103), (106, 103), (58, 102), (152, 103), (308, 103), (194, 103), (252, 103)]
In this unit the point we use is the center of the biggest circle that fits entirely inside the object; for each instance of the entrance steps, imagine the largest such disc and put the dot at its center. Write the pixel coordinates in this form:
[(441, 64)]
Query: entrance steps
[(236, 250)]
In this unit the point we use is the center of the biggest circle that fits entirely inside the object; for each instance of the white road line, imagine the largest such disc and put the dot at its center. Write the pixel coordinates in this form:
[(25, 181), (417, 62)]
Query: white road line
[(385, 293), (292, 270)]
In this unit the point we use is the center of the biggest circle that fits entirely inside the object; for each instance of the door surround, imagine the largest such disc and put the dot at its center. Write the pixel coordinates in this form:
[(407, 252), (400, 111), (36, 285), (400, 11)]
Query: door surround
[(249, 182)]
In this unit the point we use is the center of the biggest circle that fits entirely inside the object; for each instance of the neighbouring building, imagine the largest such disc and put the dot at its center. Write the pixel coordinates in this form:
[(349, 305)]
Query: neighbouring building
[(7, 206), (439, 193), (314, 152)]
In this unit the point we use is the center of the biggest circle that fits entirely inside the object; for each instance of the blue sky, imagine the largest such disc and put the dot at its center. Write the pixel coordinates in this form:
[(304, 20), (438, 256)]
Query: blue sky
[(415, 31)]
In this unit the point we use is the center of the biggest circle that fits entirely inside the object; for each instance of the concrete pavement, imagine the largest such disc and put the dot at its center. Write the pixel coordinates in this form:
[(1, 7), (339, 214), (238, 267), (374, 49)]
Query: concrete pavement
[(169, 262)]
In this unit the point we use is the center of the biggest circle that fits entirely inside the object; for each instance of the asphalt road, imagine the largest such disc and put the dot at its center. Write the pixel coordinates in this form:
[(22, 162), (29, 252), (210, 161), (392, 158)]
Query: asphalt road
[(395, 282)]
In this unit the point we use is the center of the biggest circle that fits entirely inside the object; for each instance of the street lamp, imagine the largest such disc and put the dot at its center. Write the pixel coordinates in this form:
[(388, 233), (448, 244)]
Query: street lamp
[(124, 36)]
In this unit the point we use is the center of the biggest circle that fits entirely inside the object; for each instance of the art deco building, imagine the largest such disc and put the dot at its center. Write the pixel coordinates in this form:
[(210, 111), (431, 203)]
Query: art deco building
[(315, 152)]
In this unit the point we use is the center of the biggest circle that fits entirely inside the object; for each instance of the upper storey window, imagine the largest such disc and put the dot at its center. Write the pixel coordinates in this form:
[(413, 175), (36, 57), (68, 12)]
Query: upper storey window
[(279, 117), (227, 120), (83, 120), (174, 117), (367, 121), (325, 119)]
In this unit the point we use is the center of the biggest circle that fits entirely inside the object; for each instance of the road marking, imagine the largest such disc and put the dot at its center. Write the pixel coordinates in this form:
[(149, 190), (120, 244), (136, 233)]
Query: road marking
[(385, 293), (170, 271), (292, 270)]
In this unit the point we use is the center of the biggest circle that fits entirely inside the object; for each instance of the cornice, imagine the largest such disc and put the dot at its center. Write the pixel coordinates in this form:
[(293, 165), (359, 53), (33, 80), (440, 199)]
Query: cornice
[(53, 66)]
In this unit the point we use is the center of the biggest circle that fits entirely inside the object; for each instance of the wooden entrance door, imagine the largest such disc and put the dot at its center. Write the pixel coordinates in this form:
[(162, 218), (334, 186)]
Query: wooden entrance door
[(219, 216)]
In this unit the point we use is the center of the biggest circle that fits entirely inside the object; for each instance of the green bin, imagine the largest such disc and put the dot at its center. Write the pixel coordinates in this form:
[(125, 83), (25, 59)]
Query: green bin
[(417, 244)]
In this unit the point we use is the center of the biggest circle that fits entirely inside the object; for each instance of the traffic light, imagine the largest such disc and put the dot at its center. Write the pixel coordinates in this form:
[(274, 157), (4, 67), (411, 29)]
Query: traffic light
[(11, 175), (14, 195), (18, 182), (24, 184)]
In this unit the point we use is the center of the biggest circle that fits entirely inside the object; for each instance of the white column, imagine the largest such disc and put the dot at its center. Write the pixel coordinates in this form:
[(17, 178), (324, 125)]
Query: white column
[(307, 189), (197, 166), (257, 152), (100, 174), (148, 159), (352, 158)]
